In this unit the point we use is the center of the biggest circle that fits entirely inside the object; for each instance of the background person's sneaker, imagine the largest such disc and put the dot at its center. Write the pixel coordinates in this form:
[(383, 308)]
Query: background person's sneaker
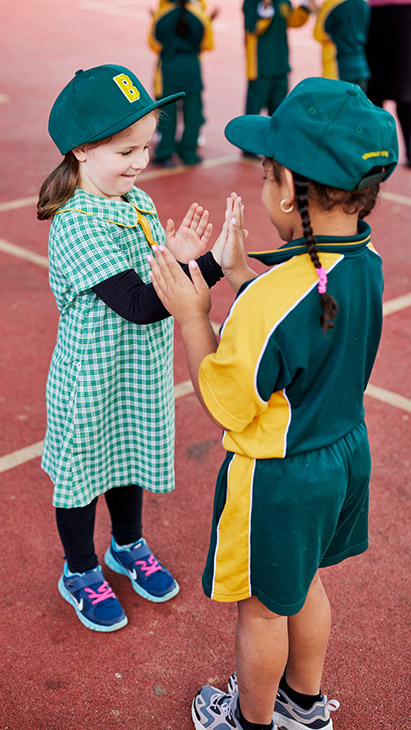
[(92, 598), (289, 716), (149, 578), (213, 709)]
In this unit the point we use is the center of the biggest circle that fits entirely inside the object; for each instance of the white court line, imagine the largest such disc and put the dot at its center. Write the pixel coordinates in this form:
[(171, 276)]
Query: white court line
[(395, 198), (24, 253), (19, 203), (397, 304), (387, 396), (21, 456)]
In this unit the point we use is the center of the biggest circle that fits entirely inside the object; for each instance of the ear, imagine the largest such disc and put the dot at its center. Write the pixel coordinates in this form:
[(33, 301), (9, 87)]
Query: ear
[(288, 183), (80, 154)]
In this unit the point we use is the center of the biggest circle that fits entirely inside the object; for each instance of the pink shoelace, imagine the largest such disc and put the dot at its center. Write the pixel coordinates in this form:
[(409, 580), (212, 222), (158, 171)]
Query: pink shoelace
[(102, 593), (149, 566)]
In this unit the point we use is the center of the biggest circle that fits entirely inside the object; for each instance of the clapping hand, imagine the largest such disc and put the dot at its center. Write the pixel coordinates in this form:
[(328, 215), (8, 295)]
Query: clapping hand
[(185, 298), (193, 235), (228, 250)]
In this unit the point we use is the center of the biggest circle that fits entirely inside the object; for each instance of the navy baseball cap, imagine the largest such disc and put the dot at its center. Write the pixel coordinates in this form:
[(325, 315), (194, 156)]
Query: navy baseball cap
[(98, 103), (325, 130)]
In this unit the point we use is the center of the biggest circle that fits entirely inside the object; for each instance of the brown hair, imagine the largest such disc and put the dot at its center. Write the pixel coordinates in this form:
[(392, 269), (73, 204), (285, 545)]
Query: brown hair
[(58, 187), (352, 201)]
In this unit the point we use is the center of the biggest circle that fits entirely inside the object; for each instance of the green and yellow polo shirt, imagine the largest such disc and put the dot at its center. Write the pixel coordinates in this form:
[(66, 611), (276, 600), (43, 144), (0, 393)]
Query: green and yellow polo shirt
[(279, 385)]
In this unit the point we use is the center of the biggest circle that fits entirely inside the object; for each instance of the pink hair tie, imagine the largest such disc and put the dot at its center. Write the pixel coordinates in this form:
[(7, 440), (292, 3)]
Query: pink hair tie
[(322, 284)]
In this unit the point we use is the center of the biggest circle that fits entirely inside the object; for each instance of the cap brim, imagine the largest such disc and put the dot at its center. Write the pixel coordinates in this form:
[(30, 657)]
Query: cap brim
[(135, 116), (249, 133)]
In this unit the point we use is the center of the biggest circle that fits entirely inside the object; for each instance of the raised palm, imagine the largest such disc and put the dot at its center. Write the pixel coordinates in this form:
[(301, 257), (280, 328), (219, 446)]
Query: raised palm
[(192, 237)]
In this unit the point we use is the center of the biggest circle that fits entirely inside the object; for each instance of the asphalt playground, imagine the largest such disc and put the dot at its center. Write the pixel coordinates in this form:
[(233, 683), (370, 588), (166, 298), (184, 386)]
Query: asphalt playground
[(56, 674)]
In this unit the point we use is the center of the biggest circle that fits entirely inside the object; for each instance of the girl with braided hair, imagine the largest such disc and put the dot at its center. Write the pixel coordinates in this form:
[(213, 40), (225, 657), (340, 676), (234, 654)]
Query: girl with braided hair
[(286, 383)]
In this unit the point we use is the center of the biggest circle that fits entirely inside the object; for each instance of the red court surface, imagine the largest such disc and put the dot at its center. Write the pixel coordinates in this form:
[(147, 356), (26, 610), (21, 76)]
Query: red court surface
[(56, 674)]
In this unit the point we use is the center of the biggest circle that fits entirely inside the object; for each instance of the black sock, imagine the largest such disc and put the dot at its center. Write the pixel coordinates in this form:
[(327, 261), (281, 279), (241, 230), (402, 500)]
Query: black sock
[(251, 725), (303, 701)]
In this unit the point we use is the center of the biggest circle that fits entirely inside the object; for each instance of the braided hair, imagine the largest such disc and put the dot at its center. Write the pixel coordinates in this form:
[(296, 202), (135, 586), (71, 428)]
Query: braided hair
[(352, 201), (183, 26), (329, 306)]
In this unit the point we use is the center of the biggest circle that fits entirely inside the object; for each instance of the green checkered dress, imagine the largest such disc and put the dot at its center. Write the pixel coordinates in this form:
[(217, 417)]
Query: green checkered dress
[(110, 398)]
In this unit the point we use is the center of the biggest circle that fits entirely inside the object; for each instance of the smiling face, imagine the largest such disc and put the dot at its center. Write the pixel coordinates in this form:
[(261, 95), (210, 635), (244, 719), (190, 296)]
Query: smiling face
[(110, 169)]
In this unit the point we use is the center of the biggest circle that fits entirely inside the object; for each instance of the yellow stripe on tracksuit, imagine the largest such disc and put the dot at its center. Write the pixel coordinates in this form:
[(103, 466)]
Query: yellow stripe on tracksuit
[(251, 43), (329, 51), (231, 580)]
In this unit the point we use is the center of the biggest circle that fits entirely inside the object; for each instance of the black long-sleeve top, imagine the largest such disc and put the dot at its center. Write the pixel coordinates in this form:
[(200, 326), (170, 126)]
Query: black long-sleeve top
[(128, 295)]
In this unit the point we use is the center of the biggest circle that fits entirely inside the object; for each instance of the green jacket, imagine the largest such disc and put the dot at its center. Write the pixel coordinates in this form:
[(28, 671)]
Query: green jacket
[(178, 67), (345, 23), (266, 38)]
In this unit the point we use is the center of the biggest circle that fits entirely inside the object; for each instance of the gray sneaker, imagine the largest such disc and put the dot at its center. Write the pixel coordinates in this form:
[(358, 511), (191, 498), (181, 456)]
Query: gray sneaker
[(213, 709), (289, 716)]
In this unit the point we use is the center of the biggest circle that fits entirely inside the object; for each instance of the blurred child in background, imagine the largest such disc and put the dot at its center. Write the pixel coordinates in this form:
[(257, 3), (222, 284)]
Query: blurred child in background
[(180, 31), (342, 29), (266, 44)]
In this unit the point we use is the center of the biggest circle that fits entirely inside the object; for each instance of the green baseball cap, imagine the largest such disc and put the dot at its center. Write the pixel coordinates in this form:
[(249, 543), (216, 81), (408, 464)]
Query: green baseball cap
[(325, 130), (98, 103)]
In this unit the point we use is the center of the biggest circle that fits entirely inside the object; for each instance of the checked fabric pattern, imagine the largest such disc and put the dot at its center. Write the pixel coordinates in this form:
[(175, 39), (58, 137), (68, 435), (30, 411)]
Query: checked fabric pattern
[(110, 397)]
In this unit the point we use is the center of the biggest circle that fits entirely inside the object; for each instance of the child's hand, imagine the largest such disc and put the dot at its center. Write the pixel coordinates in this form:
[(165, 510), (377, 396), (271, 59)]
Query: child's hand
[(185, 299), (191, 239), (232, 254), (219, 244), (233, 259)]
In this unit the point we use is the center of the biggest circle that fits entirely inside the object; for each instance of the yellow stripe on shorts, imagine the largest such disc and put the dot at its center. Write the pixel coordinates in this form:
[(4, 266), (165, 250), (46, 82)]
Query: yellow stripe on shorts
[(232, 579)]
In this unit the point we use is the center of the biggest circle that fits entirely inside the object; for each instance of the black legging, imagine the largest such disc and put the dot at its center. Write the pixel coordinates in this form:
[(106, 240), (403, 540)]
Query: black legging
[(404, 118), (76, 526)]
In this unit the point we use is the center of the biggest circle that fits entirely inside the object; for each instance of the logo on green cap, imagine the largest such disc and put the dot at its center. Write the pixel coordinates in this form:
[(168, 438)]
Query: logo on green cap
[(126, 86)]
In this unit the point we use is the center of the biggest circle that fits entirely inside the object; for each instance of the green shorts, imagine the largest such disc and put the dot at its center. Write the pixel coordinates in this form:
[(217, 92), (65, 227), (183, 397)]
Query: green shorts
[(276, 521)]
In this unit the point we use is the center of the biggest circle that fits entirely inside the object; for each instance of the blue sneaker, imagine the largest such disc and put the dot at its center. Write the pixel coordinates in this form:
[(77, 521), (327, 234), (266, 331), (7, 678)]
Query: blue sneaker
[(289, 716), (212, 709), (148, 577), (92, 598)]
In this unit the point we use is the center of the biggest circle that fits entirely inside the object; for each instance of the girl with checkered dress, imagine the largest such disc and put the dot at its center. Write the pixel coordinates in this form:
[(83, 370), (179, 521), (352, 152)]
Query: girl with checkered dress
[(286, 383), (110, 395)]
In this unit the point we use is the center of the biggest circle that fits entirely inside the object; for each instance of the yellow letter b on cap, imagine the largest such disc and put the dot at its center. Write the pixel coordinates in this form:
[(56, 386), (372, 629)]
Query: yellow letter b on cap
[(125, 84)]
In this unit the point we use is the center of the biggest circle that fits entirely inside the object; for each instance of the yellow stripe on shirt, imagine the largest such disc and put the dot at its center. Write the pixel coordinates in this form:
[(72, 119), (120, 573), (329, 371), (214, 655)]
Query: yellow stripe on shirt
[(228, 378)]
